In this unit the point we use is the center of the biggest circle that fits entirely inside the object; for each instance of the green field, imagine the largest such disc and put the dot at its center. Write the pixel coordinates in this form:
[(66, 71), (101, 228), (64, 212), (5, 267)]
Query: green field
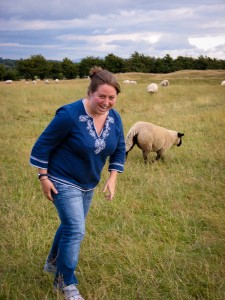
[(163, 235)]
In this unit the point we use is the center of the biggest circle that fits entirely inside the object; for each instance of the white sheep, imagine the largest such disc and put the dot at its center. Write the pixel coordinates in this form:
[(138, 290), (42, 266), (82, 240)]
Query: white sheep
[(8, 81), (152, 138), (165, 82), (152, 88), (56, 80), (223, 82), (34, 82), (130, 81), (47, 81)]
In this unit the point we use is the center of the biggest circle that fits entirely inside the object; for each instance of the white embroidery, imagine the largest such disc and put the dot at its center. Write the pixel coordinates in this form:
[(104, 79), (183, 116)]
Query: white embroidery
[(99, 140)]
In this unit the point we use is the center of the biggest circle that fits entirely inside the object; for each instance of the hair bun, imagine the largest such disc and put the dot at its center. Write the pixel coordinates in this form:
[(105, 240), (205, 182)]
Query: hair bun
[(94, 70)]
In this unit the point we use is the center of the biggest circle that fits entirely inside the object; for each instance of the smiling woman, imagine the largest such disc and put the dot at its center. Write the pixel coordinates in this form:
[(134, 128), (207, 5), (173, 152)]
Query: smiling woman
[(70, 155)]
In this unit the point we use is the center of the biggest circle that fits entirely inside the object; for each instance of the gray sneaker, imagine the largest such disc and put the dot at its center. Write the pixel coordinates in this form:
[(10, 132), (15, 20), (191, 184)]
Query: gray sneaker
[(49, 267), (70, 292)]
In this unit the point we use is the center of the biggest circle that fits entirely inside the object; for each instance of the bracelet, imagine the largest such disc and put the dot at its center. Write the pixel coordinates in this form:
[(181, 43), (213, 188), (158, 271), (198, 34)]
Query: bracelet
[(43, 179), (42, 175)]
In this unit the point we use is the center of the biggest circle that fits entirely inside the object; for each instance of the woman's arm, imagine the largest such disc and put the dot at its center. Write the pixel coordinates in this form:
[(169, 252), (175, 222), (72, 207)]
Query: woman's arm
[(110, 186), (46, 184)]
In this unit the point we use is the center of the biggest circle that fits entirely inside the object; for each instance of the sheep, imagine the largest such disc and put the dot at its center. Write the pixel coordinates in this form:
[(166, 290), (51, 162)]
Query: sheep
[(56, 80), (126, 81), (8, 81), (47, 81), (151, 138), (130, 81), (152, 88), (34, 82), (164, 82), (223, 82)]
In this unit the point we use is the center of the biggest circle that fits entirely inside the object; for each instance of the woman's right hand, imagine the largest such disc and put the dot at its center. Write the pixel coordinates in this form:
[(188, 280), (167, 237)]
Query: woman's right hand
[(47, 188)]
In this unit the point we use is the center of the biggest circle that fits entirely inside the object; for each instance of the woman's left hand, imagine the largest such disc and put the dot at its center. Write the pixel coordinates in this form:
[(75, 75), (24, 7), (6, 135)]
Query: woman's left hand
[(110, 186)]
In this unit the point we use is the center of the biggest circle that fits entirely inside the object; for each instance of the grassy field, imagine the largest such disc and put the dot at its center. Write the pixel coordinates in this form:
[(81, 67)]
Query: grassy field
[(163, 235)]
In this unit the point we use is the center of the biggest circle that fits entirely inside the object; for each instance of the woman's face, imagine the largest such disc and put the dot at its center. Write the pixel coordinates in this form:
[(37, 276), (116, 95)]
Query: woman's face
[(103, 99)]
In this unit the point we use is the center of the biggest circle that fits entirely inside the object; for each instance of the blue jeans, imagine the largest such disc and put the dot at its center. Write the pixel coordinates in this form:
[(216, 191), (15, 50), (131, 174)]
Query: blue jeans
[(72, 206)]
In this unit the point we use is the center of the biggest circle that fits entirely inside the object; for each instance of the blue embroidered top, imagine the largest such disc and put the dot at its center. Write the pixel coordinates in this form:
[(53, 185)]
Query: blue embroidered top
[(72, 151)]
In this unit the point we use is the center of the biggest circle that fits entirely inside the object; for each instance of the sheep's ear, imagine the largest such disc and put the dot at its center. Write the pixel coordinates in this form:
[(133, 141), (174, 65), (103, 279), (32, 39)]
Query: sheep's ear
[(180, 134)]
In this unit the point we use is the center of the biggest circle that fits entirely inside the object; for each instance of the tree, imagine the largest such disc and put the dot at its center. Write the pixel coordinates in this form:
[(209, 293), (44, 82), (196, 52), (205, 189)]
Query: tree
[(87, 63), (2, 72), (69, 69), (114, 64), (201, 63), (168, 65), (34, 66), (56, 70), (11, 74)]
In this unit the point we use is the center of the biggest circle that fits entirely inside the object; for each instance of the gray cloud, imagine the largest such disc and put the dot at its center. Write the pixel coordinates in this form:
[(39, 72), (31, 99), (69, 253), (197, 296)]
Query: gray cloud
[(58, 29)]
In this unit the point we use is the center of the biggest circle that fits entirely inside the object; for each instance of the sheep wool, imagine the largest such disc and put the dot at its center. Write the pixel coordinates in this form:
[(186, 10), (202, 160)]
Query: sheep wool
[(165, 82), (152, 88), (152, 138)]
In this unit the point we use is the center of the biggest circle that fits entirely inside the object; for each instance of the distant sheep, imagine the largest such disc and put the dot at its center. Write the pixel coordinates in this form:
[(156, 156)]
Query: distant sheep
[(56, 80), (34, 82), (47, 81), (8, 81), (152, 88), (130, 81), (152, 138), (223, 82), (164, 82)]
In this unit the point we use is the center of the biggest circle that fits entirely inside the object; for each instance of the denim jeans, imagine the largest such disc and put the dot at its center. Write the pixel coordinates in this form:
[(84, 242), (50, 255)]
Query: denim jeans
[(72, 206)]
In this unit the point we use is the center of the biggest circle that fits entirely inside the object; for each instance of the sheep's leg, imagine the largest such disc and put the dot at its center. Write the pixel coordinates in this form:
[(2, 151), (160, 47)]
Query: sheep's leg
[(159, 154), (145, 156)]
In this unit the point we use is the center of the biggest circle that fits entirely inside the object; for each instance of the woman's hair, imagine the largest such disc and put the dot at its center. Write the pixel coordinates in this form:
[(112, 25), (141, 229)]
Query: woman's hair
[(99, 76)]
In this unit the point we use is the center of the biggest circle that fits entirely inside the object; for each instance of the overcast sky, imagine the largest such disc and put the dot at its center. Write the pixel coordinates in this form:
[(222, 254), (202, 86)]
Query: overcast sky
[(79, 28)]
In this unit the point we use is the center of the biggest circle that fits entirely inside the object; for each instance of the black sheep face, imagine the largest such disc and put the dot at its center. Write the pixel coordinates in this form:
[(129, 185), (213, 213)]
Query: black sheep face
[(180, 138)]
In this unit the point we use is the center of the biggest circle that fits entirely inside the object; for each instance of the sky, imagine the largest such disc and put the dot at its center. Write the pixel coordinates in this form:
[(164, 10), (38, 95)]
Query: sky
[(78, 29)]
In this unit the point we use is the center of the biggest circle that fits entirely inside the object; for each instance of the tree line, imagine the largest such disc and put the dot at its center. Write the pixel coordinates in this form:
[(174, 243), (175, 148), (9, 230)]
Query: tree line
[(37, 67)]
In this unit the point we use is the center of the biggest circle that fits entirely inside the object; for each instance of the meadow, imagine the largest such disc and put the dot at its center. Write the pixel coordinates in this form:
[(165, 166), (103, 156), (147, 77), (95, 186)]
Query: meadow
[(163, 235)]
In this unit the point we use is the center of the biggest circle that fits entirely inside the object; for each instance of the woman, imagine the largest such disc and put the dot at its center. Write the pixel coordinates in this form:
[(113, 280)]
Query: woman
[(70, 155)]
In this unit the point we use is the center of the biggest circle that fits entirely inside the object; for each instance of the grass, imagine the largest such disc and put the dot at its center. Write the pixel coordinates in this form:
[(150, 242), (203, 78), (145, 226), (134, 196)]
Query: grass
[(162, 237)]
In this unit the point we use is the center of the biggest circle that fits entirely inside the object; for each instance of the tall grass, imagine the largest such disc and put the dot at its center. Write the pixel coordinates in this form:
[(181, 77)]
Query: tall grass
[(162, 237)]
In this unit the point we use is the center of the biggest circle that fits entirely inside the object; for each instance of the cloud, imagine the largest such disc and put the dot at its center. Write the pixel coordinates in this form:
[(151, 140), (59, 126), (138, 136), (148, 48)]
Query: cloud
[(97, 28)]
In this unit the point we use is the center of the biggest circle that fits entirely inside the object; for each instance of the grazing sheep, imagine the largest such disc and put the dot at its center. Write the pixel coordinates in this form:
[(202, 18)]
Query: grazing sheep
[(56, 80), (8, 81), (164, 82), (152, 138), (223, 82), (130, 81), (47, 81), (34, 82), (152, 88)]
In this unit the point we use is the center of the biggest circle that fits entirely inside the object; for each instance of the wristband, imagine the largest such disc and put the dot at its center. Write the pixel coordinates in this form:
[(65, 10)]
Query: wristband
[(42, 175)]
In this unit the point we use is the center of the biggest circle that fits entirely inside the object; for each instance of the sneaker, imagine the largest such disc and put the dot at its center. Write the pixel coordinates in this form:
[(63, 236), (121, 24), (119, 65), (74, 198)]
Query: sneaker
[(49, 268), (70, 292)]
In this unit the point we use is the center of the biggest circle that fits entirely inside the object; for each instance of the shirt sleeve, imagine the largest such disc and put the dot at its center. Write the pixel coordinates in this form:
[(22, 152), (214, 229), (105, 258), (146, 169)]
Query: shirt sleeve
[(117, 159), (51, 137)]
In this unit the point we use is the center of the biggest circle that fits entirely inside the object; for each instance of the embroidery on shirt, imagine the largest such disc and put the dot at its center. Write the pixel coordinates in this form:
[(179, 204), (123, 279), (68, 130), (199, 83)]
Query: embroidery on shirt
[(99, 140)]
